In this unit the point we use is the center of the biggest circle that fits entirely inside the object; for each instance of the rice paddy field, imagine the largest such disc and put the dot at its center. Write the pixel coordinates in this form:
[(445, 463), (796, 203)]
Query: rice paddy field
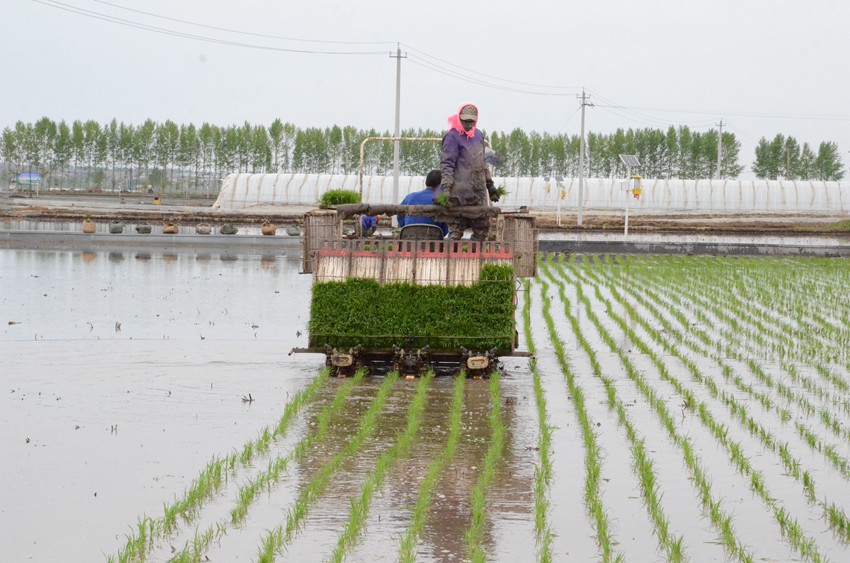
[(673, 409)]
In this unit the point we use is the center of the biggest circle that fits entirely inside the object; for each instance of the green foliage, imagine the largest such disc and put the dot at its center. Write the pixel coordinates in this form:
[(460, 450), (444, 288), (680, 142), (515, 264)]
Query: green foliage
[(784, 157), (339, 197), (359, 311)]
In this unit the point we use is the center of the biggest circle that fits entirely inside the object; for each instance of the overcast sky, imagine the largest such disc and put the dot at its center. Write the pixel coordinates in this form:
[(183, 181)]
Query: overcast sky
[(762, 66)]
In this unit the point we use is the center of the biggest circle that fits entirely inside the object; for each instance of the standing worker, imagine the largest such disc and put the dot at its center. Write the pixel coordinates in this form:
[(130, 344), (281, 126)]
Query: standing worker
[(423, 197), (464, 175)]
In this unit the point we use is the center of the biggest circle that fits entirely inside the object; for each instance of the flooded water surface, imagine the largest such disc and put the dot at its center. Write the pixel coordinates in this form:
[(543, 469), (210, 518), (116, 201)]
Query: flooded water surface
[(149, 409)]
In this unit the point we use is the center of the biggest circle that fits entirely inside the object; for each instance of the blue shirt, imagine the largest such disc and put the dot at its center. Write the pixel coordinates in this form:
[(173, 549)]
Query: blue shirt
[(422, 197), (368, 223)]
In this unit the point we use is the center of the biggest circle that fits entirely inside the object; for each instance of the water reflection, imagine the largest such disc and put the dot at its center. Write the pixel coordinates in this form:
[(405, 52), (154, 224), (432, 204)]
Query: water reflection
[(146, 297), (268, 261)]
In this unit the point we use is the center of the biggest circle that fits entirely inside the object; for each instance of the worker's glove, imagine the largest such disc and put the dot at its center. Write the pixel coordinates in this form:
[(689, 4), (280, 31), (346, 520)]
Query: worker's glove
[(494, 193)]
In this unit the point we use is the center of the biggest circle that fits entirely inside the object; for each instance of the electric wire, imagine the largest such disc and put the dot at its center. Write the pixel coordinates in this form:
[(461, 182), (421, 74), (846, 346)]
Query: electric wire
[(164, 31), (440, 70), (465, 69), (638, 109), (630, 113), (425, 61), (570, 118), (240, 32)]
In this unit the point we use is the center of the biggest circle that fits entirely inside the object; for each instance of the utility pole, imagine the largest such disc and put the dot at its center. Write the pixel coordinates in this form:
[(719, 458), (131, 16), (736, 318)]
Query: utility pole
[(584, 97), (787, 161), (397, 133), (719, 147)]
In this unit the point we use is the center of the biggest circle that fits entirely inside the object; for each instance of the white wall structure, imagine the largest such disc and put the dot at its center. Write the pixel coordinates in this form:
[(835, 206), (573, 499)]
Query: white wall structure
[(243, 191)]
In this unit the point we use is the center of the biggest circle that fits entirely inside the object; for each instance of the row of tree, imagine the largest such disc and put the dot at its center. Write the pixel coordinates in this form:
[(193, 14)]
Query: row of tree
[(190, 158), (783, 156)]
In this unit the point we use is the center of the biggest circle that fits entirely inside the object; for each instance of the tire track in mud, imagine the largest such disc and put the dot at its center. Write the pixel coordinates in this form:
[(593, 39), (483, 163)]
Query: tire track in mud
[(210, 481), (789, 525)]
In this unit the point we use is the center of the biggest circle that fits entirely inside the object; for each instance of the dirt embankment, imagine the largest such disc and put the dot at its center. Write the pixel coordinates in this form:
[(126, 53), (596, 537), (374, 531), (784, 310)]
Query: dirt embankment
[(189, 212), (797, 225)]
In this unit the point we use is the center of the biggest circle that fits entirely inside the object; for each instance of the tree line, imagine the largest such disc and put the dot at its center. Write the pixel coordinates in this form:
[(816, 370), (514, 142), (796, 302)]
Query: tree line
[(192, 159), (785, 157)]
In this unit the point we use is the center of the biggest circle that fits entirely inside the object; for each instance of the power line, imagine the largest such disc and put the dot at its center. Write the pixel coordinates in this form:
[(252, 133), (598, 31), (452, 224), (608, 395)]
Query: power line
[(164, 31), (440, 70), (738, 114), (532, 85), (237, 31), (629, 113)]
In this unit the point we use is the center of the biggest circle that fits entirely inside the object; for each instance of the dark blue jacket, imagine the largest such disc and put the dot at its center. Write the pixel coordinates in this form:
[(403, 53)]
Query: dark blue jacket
[(422, 197)]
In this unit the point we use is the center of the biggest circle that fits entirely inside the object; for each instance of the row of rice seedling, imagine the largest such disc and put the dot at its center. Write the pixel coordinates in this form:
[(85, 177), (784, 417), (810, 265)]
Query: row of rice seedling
[(543, 470), (753, 283), (736, 348), (210, 480), (739, 410), (475, 532), (276, 539), (592, 457), (830, 420), (829, 451), (788, 333), (719, 518), (248, 492), (642, 462), (775, 327), (789, 525), (360, 505), (806, 319), (418, 518)]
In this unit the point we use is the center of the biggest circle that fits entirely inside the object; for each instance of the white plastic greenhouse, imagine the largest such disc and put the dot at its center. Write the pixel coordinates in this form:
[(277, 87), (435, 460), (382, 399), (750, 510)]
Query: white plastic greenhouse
[(243, 191)]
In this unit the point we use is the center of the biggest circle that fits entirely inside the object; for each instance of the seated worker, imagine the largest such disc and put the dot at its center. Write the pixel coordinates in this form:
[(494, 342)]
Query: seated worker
[(368, 225), (423, 197)]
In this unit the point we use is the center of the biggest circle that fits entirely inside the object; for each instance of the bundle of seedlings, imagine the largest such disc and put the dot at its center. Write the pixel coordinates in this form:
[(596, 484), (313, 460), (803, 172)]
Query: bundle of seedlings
[(363, 312), (336, 197)]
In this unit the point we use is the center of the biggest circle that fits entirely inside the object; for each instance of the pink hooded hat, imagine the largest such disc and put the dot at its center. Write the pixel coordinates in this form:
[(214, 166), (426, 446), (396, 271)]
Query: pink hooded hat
[(454, 120)]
